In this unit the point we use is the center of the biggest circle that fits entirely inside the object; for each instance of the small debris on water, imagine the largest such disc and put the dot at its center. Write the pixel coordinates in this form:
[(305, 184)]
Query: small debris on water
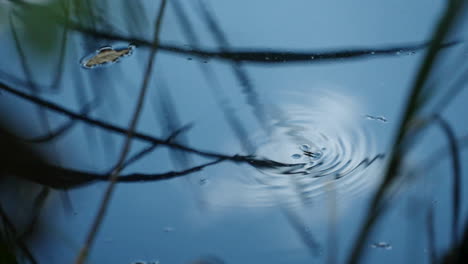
[(377, 118), (305, 147), (382, 245), (203, 181)]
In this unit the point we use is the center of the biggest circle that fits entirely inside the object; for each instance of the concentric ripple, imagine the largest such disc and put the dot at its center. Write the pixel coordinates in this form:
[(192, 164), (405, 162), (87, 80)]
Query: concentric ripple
[(317, 145), (327, 140)]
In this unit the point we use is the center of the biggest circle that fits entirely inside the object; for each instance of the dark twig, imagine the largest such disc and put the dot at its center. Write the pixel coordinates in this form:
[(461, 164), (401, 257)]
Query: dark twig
[(144, 137), (109, 127), (140, 177), (263, 56), (18, 159)]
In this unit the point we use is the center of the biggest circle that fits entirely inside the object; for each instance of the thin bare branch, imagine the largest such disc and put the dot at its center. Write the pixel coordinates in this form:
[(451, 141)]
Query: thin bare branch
[(252, 55), (252, 160), (269, 56)]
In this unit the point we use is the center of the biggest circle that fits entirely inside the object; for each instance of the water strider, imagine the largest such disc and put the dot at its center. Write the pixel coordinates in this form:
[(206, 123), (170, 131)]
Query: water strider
[(107, 55)]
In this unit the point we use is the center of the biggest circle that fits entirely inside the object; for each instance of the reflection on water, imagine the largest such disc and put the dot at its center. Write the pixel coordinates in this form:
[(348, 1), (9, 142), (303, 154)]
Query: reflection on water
[(325, 138)]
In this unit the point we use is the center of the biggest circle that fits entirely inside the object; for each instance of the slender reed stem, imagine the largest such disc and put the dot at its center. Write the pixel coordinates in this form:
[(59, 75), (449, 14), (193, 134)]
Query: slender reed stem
[(126, 148)]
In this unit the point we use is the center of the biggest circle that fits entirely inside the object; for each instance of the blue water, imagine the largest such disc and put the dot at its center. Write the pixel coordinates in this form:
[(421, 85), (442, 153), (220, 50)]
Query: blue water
[(327, 116)]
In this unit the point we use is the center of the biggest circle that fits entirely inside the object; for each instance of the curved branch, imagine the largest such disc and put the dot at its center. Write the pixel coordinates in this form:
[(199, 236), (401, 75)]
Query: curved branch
[(252, 160), (250, 55), (269, 56)]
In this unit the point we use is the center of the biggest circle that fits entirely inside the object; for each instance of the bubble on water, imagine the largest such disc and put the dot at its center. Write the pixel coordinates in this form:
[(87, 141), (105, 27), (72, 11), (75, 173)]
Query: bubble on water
[(305, 147), (296, 156), (382, 245), (372, 52)]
